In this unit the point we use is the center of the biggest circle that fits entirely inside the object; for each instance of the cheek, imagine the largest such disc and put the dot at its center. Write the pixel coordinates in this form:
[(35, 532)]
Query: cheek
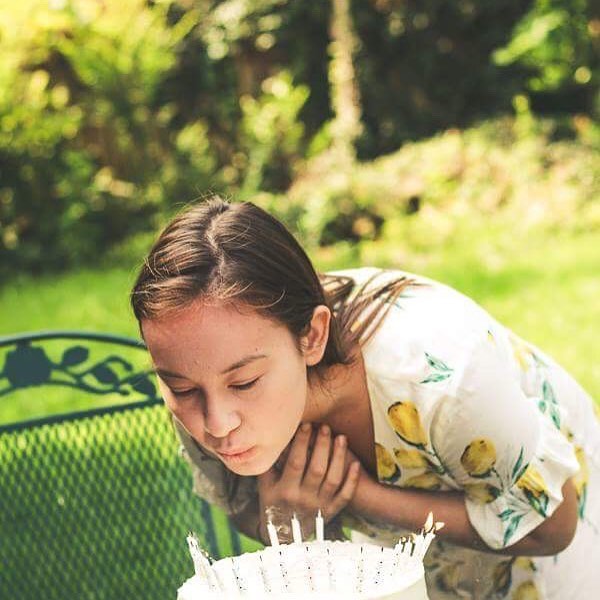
[(287, 400), (189, 415)]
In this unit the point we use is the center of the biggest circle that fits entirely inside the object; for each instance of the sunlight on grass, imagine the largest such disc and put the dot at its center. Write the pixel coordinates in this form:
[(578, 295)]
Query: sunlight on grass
[(544, 287)]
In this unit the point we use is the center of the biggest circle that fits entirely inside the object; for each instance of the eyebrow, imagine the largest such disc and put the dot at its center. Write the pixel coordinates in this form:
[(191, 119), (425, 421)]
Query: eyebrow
[(236, 365)]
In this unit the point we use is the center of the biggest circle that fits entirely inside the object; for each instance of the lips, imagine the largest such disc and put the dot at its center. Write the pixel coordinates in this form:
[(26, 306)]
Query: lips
[(233, 452)]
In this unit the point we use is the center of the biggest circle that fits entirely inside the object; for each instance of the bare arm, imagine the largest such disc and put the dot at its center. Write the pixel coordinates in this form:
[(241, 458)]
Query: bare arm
[(408, 509)]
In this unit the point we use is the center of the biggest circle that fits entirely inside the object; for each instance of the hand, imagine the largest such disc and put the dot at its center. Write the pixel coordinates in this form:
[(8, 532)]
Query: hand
[(308, 480)]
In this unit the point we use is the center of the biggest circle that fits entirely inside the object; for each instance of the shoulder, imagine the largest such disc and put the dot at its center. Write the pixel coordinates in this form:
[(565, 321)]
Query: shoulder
[(429, 331)]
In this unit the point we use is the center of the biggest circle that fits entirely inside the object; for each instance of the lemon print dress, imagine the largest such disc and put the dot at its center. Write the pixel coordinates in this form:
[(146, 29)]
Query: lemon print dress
[(461, 403)]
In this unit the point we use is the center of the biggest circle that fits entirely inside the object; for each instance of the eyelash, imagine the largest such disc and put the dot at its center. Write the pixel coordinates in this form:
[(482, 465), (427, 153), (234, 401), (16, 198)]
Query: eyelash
[(242, 388)]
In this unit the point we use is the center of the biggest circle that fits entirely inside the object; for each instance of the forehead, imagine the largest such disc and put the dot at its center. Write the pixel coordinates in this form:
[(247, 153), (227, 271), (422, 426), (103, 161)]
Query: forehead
[(210, 336)]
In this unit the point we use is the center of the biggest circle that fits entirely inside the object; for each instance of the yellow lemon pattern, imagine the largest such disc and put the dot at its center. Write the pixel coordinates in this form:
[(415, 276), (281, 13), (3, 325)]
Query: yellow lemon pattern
[(387, 469), (525, 563), (410, 458), (479, 457), (534, 487), (482, 493), (424, 481), (521, 352), (597, 410), (406, 422), (526, 591), (580, 480)]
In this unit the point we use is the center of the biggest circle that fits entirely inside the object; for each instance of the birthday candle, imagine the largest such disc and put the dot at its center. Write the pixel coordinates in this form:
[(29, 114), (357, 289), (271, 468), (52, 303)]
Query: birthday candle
[(202, 567), (360, 571), (212, 576), (320, 527), (413, 543), (284, 575), (398, 550), (241, 584), (379, 568), (332, 585), (308, 569), (428, 523), (296, 531), (272, 534), (263, 574), (427, 541)]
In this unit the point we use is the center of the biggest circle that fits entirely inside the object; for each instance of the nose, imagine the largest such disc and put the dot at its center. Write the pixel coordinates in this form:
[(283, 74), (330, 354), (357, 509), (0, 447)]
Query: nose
[(220, 418)]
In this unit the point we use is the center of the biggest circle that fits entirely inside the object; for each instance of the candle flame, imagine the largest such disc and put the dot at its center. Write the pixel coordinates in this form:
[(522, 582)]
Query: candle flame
[(429, 522)]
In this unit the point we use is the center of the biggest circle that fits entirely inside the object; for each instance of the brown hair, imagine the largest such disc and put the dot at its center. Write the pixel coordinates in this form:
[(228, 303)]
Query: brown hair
[(237, 252)]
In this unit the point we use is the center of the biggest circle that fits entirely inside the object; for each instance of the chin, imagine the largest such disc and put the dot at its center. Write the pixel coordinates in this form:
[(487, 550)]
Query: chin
[(250, 468)]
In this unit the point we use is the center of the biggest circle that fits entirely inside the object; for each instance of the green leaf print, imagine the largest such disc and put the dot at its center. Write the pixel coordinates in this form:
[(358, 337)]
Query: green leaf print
[(517, 466), (582, 499), (434, 377), (437, 364), (505, 514), (550, 398), (539, 503), (512, 527), (548, 393)]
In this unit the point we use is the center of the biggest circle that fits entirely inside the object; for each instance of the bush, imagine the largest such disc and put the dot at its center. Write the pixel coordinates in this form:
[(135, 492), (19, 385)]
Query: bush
[(509, 169)]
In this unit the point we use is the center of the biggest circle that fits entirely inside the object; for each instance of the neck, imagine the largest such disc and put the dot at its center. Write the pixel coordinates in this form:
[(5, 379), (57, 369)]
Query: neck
[(334, 392)]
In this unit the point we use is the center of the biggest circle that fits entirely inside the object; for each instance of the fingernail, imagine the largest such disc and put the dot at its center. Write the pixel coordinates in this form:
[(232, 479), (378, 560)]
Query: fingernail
[(325, 429), (305, 427), (341, 440)]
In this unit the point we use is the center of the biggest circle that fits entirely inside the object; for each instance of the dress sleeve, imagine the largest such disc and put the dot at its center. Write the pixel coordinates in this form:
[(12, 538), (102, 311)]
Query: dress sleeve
[(509, 458), (210, 477)]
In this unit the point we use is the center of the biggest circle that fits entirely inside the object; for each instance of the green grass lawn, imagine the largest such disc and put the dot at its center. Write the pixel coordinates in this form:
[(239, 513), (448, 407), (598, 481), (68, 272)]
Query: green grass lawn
[(545, 287)]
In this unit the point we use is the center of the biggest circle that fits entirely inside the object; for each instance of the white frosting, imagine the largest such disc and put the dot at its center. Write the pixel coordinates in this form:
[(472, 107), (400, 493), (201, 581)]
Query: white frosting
[(327, 570)]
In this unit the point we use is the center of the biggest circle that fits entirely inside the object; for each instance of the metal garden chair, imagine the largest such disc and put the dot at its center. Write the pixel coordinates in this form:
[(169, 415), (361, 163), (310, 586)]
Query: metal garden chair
[(95, 502)]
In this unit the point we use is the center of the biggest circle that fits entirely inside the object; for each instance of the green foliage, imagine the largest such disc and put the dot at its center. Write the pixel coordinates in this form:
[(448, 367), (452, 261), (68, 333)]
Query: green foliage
[(271, 133), (88, 152), (508, 168), (553, 41), (113, 113)]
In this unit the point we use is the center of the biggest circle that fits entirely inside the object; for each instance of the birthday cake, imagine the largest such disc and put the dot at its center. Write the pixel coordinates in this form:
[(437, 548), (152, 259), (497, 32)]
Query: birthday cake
[(328, 570)]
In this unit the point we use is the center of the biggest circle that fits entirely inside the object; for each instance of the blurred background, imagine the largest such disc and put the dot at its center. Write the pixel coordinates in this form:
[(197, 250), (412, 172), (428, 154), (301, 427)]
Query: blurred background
[(452, 138)]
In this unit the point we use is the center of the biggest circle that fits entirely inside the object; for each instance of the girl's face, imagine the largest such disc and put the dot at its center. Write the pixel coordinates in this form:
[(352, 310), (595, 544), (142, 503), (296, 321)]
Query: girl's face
[(235, 380)]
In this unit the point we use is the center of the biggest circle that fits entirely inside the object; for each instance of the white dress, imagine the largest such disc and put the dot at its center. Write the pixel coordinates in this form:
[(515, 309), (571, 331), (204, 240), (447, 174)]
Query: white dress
[(461, 403)]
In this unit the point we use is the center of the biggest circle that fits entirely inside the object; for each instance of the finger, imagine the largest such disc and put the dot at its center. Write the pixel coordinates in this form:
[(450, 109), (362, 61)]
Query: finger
[(346, 493), (293, 471), (335, 472), (317, 468)]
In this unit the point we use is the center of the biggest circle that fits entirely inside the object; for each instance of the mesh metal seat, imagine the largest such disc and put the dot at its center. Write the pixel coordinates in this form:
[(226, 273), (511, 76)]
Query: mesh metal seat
[(95, 502)]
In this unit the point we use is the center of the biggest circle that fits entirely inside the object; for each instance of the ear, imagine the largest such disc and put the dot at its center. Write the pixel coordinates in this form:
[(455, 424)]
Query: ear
[(315, 341)]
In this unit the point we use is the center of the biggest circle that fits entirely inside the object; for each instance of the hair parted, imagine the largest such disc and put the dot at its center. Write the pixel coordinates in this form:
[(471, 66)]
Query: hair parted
[(236, 252)]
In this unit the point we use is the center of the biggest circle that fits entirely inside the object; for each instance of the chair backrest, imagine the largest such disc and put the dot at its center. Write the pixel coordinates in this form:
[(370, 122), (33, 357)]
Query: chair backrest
[(95, 502)]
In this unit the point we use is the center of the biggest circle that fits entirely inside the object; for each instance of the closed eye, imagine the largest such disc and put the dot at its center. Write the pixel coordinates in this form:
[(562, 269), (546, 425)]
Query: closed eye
[(246, 386), (182, 393), (241, 387)]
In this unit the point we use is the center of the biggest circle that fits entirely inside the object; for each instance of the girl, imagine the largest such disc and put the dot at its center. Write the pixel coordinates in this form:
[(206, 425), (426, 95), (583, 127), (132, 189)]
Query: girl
[(376, 396)]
